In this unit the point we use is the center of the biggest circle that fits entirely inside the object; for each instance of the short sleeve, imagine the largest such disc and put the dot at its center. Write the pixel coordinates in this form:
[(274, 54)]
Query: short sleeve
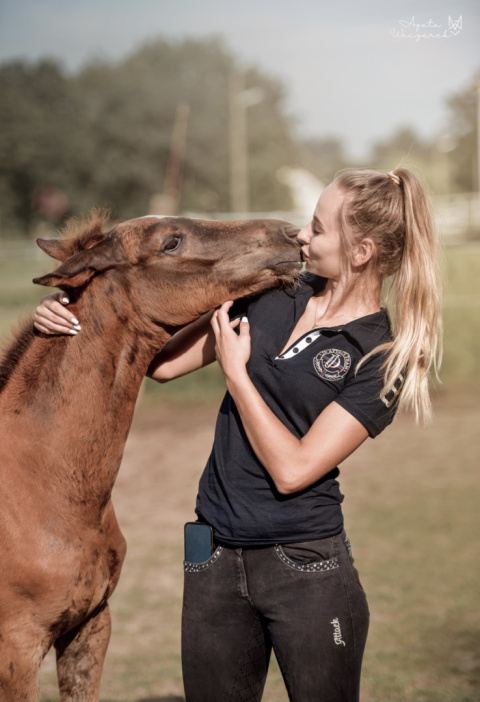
[(239, 308), (361, 397)]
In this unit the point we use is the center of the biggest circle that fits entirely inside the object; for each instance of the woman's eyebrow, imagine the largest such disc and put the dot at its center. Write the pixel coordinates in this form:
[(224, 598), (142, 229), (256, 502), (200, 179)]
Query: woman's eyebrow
[(317, 221)]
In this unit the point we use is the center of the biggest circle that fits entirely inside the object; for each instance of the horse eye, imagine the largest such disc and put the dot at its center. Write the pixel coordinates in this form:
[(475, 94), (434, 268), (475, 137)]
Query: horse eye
[(172, 243)]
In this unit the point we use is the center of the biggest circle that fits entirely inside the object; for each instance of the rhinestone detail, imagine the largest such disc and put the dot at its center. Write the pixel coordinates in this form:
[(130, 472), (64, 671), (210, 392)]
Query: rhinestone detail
[(197, 567), (349, 546), (331, 564)]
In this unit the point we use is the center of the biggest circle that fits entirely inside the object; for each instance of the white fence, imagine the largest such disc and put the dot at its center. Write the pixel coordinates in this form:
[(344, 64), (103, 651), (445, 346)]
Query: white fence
[(457, 216)]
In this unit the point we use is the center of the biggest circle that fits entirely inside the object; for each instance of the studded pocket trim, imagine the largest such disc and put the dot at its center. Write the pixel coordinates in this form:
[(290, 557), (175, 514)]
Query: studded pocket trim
[(315, 567), (349, 547), (197, 567)]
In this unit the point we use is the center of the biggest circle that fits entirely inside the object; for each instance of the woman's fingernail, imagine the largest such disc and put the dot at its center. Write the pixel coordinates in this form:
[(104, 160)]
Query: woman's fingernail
[(65, 299), (72, 331), (78, 327), (74, 320), (245, 319)]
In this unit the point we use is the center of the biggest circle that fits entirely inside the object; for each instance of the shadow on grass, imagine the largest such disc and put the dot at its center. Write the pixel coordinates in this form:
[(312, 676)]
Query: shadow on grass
[(453, 662), (465, 655)]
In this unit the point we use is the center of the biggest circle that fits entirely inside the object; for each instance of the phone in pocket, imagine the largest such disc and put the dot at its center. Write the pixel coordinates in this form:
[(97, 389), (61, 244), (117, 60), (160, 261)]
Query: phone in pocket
[(198, 542)]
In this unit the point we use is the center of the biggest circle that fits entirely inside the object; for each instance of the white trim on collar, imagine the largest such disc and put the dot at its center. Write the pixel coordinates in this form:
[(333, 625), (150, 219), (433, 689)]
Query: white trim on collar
[(300, 346)]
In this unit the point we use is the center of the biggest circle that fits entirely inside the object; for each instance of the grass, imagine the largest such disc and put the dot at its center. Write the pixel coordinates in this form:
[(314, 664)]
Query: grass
[(411, 512), (18, 295), (416, 543)]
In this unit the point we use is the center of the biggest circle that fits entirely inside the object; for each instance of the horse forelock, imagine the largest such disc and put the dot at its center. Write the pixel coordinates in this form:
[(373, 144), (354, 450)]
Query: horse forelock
[(86, 231)]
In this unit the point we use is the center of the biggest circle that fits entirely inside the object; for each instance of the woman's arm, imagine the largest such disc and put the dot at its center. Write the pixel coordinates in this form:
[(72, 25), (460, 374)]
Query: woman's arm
[(191, 348), (293, 463)]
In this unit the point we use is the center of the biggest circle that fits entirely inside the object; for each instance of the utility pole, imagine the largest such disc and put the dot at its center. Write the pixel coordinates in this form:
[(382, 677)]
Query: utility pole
[(239, 190), (239, 99), (477, 87), (167, 203)]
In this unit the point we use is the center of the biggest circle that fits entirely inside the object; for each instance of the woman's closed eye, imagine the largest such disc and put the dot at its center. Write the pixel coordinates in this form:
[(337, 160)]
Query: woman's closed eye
[(316, 226)]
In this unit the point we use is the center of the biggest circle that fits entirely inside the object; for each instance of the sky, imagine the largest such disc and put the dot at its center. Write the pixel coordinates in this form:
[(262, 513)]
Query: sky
[(349, 70)]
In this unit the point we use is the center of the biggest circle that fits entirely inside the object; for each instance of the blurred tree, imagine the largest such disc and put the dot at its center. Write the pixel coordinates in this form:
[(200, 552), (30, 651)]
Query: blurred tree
[(103, 136), (406, 147), (270, 143), (404, 144), (323, 157), (450, 161), (38, 138), (131, 112), (463, 124)]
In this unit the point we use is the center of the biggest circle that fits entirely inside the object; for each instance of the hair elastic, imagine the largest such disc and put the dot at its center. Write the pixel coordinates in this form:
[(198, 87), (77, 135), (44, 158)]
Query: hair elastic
[(394, 177)]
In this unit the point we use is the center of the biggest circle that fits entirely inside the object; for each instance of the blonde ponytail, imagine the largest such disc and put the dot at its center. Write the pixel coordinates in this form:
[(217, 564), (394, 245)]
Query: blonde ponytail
[(393, 209)]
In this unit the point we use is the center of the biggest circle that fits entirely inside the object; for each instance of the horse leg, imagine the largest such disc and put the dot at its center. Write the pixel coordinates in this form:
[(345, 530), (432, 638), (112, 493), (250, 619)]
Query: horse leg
[(80, 656), (19, 674)]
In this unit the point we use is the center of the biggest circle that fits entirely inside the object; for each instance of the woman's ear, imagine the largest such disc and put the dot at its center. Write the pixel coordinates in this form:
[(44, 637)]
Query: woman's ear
[(363, 252)]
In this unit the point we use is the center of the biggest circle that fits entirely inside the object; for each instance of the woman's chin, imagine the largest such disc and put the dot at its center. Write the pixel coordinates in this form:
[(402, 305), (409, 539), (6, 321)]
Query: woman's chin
[(309, 268)]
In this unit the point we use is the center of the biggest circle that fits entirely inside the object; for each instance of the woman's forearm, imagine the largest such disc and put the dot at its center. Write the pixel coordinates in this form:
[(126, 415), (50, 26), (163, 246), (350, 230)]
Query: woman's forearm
[(277, 449), (191, 348), (294, 464)]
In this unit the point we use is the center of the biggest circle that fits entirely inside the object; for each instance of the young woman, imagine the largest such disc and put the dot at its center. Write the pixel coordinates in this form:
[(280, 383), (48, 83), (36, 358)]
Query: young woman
[(310, 374)]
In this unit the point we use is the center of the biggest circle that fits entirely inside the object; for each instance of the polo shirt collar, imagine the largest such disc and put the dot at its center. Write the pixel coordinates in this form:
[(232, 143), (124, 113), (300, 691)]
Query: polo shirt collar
[(371, 329)]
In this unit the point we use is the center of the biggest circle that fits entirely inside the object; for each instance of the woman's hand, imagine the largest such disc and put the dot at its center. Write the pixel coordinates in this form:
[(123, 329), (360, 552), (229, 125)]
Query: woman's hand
[(232, 350), (52, 318)]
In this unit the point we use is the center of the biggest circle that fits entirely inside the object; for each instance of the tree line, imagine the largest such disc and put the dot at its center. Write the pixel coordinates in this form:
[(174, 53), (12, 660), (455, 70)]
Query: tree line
[(103, 136)]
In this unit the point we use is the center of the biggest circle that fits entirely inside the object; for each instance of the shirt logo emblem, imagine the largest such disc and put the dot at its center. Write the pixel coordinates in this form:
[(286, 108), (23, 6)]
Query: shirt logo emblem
[(332, 364)]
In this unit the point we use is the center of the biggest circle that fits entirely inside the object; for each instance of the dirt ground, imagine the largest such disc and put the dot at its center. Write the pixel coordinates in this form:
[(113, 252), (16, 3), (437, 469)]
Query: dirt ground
[(412, 492)]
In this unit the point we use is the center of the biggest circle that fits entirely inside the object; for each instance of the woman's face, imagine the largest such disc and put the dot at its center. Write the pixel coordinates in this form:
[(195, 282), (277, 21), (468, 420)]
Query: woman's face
[(321, 238)]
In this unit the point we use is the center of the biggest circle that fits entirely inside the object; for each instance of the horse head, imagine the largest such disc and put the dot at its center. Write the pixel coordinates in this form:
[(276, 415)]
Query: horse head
[(174, 269)]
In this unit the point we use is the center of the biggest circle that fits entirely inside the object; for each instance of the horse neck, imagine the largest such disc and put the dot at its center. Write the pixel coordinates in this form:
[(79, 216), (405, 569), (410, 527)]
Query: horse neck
[(74, 398)]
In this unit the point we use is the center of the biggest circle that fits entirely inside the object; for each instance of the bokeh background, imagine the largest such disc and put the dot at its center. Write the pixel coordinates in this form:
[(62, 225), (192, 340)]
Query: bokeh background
[(223, 110)]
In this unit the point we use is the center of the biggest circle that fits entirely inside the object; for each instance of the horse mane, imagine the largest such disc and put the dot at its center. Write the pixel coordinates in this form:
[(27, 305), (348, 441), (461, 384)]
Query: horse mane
[(85, 232), (14, 350)]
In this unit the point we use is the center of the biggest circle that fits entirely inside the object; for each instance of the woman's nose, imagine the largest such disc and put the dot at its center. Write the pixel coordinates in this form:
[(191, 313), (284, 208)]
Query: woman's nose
[(305, 235)]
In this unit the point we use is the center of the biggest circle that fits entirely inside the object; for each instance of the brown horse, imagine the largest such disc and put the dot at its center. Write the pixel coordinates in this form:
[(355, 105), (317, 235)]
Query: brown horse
[(66, 405)]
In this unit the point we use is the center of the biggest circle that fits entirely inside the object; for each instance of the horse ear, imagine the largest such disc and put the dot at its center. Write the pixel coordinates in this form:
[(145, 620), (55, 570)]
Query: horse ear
[(60, 249), (81, 267)]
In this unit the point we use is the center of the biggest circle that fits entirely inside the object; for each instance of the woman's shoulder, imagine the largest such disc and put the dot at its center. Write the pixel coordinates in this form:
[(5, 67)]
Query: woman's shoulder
[(370, 331)]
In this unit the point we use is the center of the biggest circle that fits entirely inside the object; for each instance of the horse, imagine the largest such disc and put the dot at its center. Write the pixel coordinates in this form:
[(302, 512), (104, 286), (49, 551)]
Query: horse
[(66, 406)]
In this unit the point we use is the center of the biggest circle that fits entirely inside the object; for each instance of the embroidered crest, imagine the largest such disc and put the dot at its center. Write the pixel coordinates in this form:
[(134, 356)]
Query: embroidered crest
[(332, 364)]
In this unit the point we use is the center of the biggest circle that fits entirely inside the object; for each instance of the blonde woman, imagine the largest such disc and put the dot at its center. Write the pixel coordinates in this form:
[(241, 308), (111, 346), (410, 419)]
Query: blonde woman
[(310, 374)]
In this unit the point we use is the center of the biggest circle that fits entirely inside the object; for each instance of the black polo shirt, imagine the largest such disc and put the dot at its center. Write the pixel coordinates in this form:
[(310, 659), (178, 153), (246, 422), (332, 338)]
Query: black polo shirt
[(236, 494)]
